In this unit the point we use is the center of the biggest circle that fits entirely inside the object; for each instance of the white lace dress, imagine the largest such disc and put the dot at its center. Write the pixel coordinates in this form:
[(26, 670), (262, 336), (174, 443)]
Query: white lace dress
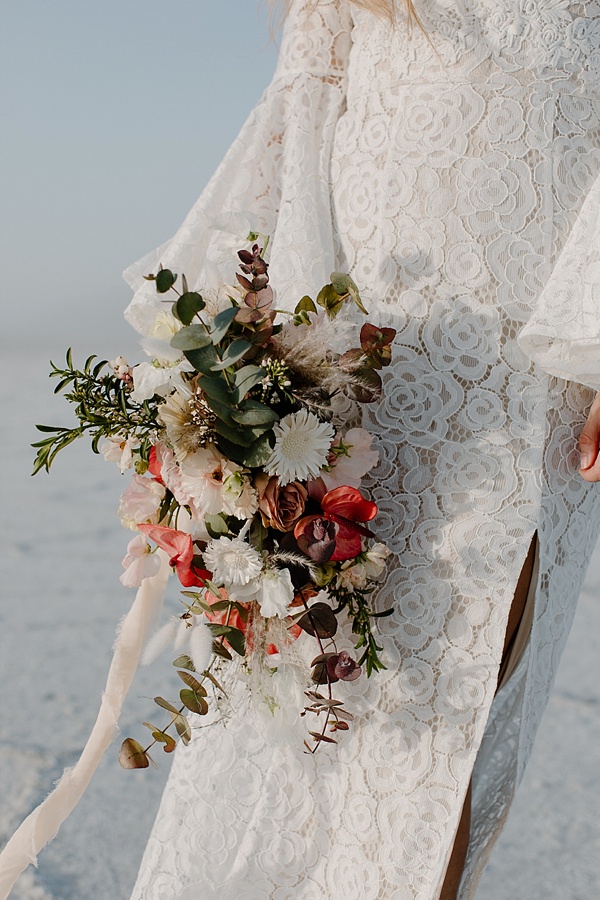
[(455, 177)]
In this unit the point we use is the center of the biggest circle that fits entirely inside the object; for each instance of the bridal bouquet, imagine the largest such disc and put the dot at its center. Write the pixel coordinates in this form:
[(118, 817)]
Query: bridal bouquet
[(244, 476)]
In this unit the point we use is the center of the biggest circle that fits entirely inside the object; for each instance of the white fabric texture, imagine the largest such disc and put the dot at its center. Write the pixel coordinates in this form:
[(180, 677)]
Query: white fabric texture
[(446, 173)]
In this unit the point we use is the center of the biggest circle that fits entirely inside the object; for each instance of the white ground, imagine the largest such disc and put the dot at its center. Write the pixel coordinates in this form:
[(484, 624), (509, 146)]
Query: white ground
[(61, 550)]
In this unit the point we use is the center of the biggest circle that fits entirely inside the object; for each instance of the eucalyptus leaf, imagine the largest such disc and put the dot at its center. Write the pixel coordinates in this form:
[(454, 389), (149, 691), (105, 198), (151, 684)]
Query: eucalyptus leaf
[(216, 525), (321, 619), (202, 358), (330, 300), (252, 412), (221, 324), (219, 650), (236, 350), (163, 738), (248, 377), (186, 307), (184, 662), (165, 280), (234, 452), (182, 726), (235, 437), (192, 337), (164, 704), (259, 452), (306, 304), (193, 701), (234, 637), (215, 387), (221, 410), (132, 755), (192, 683), (343, 284)]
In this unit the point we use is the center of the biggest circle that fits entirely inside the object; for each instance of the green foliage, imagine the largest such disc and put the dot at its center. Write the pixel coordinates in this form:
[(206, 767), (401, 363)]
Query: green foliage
[(103, 406), (187, 306)]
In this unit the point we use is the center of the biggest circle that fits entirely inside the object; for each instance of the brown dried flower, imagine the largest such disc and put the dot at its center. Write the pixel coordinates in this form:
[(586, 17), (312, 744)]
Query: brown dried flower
[(280, 506)]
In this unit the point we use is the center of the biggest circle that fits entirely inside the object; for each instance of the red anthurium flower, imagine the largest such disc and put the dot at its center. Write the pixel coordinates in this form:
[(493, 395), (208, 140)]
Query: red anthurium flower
[(181, 549), (154, 466), (347, 507), (344, 507)]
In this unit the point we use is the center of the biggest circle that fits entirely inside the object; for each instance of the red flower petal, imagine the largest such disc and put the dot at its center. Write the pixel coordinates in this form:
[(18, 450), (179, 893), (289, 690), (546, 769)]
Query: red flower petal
[(180, 548), (348, 502), (348, 544)]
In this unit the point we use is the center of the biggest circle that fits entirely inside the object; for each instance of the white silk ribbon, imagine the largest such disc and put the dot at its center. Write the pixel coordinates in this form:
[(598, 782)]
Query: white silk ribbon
[(43, 823)]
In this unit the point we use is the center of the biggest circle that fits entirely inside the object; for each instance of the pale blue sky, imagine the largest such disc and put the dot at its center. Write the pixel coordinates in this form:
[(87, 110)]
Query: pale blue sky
[(114, 115)]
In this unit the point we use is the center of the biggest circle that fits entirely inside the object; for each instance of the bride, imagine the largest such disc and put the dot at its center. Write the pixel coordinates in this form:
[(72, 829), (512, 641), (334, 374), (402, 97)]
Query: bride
[(449, 162)]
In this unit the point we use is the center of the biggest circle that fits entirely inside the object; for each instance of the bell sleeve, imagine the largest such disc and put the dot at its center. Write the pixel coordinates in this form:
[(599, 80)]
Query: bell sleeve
[(274, 178), (563, 333)]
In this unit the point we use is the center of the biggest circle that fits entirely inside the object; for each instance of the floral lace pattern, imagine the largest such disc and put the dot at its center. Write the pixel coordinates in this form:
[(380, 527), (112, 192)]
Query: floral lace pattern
[(446, 176)]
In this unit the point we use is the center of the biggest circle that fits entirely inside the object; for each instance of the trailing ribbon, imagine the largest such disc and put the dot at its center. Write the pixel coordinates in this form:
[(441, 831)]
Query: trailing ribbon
[(42, 825)]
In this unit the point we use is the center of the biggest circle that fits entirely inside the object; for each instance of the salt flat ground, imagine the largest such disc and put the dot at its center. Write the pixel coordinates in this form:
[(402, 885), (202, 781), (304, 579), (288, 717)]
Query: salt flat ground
[(61, 599)]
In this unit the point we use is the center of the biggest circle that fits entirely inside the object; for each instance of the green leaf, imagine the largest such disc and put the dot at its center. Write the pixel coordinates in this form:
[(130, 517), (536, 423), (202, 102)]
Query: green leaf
[(343, 284), (192, 683), (234, 637), (192, 701), (182, 726), (202, 359), (234, 452), (186, 307), (164, 704), (248, 377), (215, 387), (192, 337), (184, 662), (165, 281), (219, 649), (330, 300), (230, 434), (132, 755), (252, 412), (236, 350), (305, 305), (213, 589), (259, 452), (163, 738), (221, 324), (216, 525)]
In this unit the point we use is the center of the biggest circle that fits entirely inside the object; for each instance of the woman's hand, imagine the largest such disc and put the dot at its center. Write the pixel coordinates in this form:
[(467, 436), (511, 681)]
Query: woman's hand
[(589, 444)]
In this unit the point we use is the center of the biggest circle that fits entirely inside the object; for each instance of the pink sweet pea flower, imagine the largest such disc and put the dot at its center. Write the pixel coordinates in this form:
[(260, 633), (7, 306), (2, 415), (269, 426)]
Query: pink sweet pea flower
[(349, 470), (139, 563), (181, 550)]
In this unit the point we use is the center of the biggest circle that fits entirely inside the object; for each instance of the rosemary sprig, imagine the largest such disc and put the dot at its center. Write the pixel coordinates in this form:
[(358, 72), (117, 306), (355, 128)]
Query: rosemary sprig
[(103, 406)]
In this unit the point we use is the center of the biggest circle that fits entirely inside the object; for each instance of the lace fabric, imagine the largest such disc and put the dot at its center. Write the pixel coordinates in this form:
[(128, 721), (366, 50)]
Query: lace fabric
[(446, 174)]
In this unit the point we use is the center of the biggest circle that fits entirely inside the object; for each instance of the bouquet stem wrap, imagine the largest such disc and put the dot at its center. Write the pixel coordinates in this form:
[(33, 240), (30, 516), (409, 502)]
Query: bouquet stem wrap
[(42, 825)]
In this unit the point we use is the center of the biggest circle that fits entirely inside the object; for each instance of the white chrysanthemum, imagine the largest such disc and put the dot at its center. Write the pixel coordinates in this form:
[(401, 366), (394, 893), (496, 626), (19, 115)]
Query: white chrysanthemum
[(301, 447), (232, 561)]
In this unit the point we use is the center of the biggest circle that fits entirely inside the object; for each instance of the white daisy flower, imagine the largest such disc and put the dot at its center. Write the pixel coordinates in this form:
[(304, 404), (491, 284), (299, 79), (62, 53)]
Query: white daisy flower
[(232, 561), (301, 447)]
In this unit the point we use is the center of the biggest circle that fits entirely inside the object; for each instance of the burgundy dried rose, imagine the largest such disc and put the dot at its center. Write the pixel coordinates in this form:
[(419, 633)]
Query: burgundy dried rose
[(342, 667), (280, 506)]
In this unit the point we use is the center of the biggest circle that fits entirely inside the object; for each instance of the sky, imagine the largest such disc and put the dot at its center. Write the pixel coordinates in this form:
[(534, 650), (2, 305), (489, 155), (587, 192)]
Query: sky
[(113, 116)]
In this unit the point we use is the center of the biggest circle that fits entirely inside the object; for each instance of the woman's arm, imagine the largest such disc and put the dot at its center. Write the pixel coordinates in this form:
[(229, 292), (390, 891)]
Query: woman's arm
[(589, 444)]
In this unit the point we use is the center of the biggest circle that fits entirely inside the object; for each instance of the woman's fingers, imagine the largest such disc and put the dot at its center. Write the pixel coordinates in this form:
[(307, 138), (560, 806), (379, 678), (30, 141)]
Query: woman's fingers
[(589, 444)]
